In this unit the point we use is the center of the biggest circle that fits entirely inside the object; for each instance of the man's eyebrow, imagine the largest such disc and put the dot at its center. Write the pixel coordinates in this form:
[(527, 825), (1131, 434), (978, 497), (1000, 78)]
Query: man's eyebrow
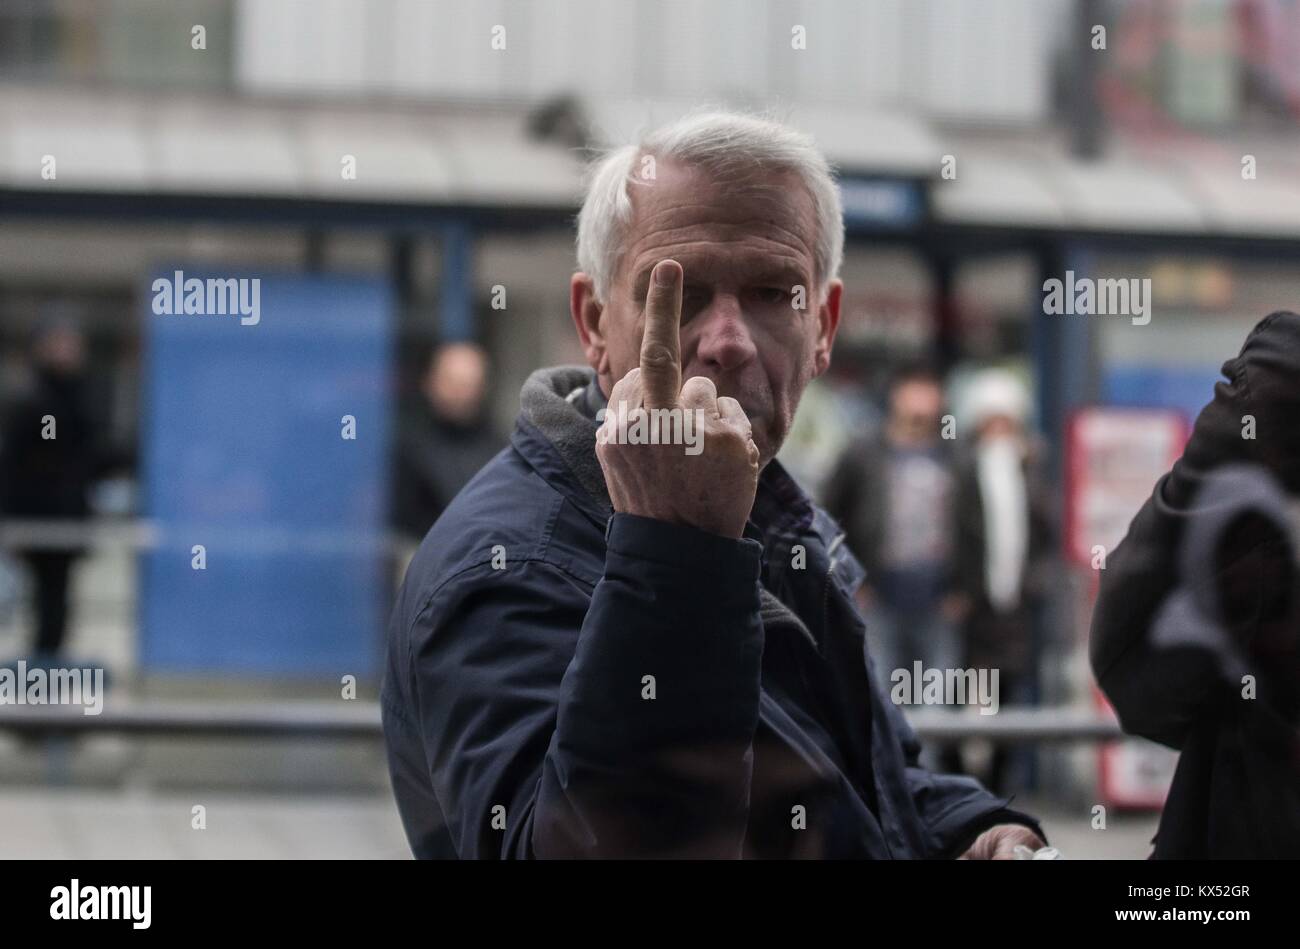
[(785, 275)]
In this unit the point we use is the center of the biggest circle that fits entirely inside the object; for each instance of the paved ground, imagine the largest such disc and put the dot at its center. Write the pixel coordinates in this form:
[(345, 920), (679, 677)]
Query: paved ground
[(97, 824), (79, 824)]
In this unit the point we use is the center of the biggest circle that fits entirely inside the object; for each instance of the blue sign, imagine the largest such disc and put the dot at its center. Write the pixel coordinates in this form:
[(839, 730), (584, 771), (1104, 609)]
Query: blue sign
[(265, 443), (880, 203), (1186, 389)]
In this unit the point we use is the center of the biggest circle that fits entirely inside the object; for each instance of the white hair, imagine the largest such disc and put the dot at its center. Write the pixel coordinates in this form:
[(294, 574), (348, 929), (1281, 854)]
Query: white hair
[(720, 142)]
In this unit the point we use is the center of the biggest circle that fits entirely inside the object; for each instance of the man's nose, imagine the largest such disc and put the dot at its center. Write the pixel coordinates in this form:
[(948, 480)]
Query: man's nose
[(725, 342)]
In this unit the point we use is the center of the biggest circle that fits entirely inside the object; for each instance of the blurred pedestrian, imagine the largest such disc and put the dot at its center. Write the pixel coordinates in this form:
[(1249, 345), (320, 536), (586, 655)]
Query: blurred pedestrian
[(49, 458), (1003, 542), (893, 495), (445, 437)]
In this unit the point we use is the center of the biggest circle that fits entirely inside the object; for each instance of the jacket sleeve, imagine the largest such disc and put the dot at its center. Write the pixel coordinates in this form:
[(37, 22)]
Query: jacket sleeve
[(1155, 695), (954, 808), (558, 725)]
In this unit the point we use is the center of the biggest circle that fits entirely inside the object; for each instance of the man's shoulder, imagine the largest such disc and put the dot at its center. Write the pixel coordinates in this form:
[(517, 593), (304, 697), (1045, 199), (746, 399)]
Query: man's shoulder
[(506, 516)]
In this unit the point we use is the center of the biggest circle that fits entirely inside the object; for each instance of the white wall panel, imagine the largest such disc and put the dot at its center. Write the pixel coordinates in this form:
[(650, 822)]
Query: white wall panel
[(981, 59)]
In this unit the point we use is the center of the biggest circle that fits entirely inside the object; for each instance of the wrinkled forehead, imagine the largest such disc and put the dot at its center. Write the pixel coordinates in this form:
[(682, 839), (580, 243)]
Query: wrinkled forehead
[(737, 218)]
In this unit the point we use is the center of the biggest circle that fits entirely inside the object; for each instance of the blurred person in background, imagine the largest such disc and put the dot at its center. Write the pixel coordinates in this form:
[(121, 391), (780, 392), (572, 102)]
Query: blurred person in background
[(893, 493), (51, 453), (445, 437), (1003, 543), (1196, 632)]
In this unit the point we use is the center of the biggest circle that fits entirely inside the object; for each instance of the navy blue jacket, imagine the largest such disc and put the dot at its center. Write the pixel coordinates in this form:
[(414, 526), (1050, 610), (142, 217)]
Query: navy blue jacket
[(563, 681)]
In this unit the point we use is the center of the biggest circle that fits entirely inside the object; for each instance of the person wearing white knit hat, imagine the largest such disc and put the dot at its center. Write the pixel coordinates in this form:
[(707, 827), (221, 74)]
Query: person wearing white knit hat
[(997, 405), (1002, 530)]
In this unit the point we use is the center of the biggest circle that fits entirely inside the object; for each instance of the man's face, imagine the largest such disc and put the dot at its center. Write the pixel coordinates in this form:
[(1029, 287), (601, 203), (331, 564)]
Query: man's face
[(915, 407), (62, 350), (743, 246), (454, 383)]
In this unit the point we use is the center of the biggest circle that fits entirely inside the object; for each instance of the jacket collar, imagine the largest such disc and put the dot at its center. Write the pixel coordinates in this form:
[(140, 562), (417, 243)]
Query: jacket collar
[(557, 437)]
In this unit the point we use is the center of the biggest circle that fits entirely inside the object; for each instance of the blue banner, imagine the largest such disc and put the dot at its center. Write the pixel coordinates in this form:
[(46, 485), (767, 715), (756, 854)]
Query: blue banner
[(265, 444)]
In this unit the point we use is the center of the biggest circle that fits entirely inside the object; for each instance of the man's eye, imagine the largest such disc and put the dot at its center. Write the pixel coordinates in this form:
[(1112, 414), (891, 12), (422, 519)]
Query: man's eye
[(772, 294)]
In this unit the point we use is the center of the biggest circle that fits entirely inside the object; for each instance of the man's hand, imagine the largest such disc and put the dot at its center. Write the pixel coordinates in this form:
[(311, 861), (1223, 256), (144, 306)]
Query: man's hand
[(712, 490), (999, 842)]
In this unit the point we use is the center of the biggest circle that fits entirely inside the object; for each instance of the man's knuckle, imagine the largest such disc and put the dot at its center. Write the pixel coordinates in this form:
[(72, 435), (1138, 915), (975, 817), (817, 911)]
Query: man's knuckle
[(730, 440), (700, 388), (657, 356)]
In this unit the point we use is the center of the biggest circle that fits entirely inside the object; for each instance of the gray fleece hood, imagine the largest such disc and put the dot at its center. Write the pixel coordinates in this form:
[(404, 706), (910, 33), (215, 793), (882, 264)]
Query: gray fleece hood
[(561, 403)]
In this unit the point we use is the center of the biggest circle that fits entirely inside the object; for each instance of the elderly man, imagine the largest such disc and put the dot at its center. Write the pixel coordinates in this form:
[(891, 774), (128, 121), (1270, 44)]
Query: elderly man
[(614, 646)]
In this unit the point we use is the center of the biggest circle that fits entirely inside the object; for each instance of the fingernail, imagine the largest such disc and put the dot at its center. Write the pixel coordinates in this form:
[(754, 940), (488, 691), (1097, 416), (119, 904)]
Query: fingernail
[(663, 275)]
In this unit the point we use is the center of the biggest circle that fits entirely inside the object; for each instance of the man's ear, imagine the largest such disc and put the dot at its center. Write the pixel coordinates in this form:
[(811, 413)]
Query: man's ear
[(586, 311), (828, 321)]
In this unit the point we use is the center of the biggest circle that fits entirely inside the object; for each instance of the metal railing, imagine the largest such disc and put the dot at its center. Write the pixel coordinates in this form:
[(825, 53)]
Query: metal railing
[(341, 719), (141, 534), (358, 719), (354, 719)]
